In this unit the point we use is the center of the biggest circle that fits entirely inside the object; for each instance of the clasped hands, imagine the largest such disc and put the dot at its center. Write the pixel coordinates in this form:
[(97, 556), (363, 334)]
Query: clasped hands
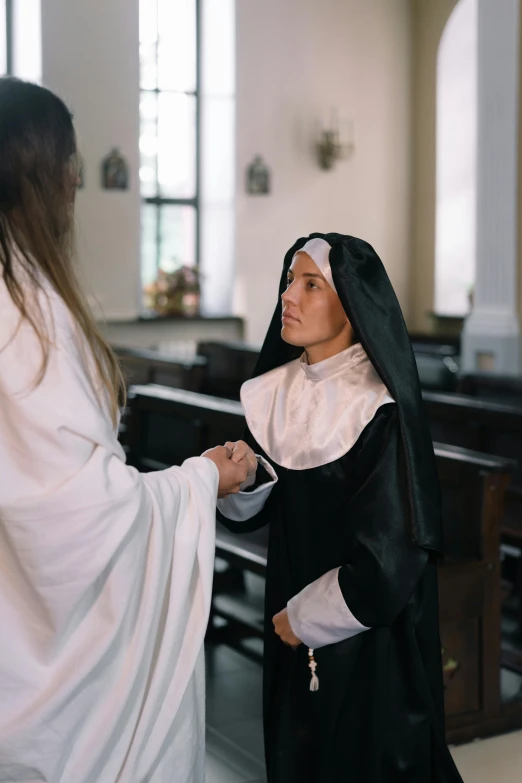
[(235, 463)]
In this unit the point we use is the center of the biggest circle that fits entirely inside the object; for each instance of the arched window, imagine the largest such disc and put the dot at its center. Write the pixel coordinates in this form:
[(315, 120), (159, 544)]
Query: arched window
[(456, 161)]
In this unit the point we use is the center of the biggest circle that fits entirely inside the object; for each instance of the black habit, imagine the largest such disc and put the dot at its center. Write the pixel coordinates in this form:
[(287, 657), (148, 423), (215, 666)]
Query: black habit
[(378, 716)]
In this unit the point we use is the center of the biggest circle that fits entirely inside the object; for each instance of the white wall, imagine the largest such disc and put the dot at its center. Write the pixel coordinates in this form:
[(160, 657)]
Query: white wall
[(295, 60), (90, 58)]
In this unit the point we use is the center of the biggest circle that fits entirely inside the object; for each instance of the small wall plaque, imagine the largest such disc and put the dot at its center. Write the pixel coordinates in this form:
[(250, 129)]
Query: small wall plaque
[(258, 178), (115, 171)]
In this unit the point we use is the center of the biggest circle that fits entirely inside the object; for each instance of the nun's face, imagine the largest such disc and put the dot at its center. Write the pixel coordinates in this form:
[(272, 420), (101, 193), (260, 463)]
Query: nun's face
[(313, 316)]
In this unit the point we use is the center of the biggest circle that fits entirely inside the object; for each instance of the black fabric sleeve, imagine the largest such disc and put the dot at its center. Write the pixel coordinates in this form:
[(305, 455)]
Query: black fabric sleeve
[(385, 564)]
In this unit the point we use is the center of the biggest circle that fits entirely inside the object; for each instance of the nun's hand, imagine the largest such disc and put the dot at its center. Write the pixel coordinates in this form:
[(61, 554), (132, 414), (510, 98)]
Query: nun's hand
[(284, 630), (242, 451)]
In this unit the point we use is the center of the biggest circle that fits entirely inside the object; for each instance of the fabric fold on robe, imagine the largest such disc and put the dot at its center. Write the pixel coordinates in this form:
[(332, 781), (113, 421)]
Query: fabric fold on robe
[(105, 580)]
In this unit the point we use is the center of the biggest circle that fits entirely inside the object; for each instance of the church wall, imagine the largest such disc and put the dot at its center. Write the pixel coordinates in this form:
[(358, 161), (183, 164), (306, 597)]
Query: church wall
[(90, 58), (296, 59)]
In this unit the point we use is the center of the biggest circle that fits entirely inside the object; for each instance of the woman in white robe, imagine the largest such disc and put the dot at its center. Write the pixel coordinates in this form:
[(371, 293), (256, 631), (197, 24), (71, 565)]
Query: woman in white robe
[(105, 573)]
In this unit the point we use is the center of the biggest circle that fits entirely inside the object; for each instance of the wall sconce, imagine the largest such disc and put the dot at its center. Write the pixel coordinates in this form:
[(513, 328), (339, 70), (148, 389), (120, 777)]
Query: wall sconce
[(330, 148)]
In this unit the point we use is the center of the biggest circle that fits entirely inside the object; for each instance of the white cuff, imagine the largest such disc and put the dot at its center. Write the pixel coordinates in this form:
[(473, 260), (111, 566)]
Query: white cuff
[(318, 614), (245, 505), (247, 482)]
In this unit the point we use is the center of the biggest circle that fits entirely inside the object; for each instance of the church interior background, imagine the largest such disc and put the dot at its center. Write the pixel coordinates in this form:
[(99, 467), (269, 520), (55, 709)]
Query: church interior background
[(212, 134)]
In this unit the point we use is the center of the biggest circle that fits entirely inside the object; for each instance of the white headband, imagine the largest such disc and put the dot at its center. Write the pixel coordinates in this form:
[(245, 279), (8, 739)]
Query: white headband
[(319, 251)]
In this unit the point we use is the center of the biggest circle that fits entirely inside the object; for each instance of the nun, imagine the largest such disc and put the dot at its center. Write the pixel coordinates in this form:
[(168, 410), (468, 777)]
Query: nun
[(346, 479)]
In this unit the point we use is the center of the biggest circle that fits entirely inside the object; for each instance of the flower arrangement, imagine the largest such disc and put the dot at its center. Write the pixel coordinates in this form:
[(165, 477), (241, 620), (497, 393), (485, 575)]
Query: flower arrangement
[(175, 293)]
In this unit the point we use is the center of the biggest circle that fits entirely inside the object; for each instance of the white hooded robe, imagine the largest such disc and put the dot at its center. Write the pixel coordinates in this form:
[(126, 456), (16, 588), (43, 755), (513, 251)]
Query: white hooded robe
[(105, 580)]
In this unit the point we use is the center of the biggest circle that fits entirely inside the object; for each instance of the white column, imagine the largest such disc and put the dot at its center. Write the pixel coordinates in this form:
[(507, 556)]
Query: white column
[(491, 338)]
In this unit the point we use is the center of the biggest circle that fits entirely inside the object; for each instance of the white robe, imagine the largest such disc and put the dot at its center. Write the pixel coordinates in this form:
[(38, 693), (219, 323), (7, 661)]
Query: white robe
[(105, 582)]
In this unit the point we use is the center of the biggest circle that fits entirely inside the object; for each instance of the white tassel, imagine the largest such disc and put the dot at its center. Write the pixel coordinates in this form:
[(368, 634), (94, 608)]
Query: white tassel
[(314, 682)]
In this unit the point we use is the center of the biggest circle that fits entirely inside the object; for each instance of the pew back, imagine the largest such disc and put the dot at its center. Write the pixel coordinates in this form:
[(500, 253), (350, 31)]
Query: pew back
[(229, 365), (141, 366)]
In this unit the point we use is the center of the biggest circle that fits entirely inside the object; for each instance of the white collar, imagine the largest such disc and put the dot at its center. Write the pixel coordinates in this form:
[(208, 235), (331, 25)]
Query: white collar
[(304, 416), (340, 362)]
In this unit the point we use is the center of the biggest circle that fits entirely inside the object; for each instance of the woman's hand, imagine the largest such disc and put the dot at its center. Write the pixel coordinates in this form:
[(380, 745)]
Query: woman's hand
[(232, 473), (284, 630), (242, 451)]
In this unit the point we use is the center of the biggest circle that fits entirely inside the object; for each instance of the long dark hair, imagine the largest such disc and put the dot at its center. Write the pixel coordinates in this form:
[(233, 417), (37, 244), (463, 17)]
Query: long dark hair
[(38, 175)]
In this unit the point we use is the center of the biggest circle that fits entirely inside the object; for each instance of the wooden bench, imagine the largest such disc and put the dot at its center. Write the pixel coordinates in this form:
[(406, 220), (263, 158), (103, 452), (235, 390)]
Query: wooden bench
[(495, 428), (496, 388), (153, 366), (438, 361), (220, 368), (229, 365), (439, 344), (166, 426)]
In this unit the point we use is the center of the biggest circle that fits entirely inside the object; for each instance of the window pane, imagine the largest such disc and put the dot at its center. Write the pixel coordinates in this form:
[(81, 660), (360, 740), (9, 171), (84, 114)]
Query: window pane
[(3, 39), (177, 145), (149, 44), (148, 143), (149, 243), (177, 236), (149, 66), (177, 45)]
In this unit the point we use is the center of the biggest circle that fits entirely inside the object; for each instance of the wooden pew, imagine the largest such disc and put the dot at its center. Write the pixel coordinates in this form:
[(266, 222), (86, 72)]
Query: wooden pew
[(229, 365), (494, 428), (437, 361), (482, 425), (153, 366), (167, 425), (496, 388), (220, 368), (441, 345)]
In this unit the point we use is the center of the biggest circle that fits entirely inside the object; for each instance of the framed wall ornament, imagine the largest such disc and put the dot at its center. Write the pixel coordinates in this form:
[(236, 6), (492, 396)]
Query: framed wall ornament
[(115, 171), (258, 178)]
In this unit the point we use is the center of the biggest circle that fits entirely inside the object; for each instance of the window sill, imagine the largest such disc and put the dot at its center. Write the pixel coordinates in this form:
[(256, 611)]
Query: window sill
[(154, 318)]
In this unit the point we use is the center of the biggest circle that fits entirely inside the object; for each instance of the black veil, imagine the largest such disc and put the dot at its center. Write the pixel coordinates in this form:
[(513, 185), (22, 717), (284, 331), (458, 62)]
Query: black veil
[(374, 312)]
